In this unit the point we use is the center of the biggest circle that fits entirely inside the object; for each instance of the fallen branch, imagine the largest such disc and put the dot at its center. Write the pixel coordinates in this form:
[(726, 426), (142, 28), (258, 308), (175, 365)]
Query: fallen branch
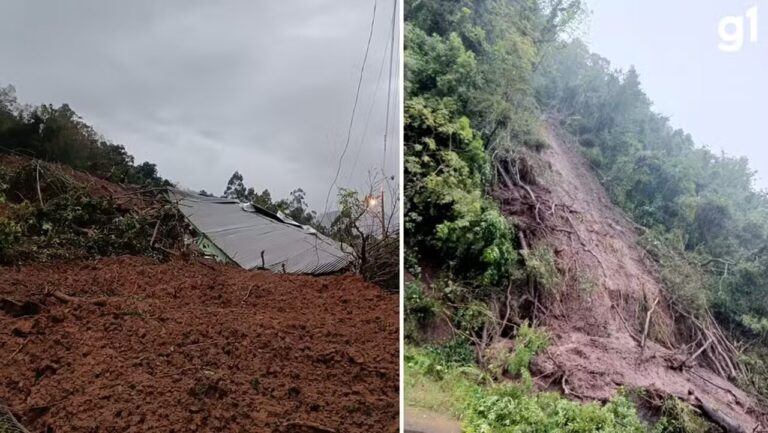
[(692, 357), (626, 326), (714, 384), (64, 297), (248, 294), (567, 391), (585, 247), (647, 323), (310, 425), (523, 243), (154, 234), (15, 352), (37, 178)]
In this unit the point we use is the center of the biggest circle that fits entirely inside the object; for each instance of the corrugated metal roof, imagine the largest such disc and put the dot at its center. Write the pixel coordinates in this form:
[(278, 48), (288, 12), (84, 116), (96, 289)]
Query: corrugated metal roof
[(243, 234)]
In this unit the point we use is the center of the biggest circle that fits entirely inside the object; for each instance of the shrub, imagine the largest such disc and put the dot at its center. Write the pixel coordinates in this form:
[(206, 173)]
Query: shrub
[(420, 309), (541, 265), (442, 378), (529, 343), (435, 361), (73, 224), (447, 211), (10, 232), (680, 273), (678, 417), (508, 409), (471, 317)]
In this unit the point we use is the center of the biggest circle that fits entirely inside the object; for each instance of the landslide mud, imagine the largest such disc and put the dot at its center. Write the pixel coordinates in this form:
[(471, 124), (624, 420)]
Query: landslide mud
[(595, 317), (191, 346)]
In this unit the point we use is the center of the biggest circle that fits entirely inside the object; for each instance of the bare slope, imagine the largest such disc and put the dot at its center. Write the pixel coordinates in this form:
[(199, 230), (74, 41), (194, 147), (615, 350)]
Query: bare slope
[(597, 315)]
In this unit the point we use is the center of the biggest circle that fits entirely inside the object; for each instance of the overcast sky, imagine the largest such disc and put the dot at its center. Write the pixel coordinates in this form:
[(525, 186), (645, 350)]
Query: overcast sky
[(720, 98), (203, 88)]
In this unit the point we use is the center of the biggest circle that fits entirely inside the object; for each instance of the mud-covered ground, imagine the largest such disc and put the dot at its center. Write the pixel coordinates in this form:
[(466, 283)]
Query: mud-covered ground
[(130, 345), (594, 316)]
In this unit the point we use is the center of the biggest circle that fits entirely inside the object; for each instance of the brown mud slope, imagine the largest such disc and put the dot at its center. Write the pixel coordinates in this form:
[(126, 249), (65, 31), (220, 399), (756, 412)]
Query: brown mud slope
[(597, 315), (130, 345)]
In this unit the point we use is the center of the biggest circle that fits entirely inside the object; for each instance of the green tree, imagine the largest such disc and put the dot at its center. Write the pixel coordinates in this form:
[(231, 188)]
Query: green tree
[(236, 189)]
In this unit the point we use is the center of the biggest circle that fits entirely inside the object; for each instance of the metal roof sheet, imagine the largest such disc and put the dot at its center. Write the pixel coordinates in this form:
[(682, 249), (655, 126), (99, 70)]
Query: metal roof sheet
[(243, 234)]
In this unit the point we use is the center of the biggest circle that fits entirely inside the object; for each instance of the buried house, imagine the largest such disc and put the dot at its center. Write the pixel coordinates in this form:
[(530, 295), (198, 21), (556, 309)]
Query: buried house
[(255, 238)]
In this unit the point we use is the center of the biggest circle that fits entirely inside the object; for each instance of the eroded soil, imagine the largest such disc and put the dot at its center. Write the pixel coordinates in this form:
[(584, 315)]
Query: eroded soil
[(193, 346), (596, 317)]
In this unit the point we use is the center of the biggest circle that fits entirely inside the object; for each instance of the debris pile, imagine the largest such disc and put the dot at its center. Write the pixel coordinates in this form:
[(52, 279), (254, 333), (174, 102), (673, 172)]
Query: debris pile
[(611, 321), (50, 212), (132, 345)]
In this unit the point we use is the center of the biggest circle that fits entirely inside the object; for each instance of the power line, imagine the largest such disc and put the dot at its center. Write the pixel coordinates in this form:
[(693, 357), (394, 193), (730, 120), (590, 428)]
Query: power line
[(351, 121), (370, 111), (354, 109), (389, 86)]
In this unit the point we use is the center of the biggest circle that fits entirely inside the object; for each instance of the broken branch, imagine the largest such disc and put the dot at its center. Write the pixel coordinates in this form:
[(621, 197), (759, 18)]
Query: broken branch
[(692, 357), (647, 323)]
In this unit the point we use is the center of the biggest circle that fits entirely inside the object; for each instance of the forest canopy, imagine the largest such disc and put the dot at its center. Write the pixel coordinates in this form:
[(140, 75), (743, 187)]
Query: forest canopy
[(58, 134)]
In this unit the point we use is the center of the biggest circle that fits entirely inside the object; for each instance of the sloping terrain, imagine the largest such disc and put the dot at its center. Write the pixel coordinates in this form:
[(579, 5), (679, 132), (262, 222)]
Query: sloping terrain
[(128, 344), (597, 315), (125, 196)]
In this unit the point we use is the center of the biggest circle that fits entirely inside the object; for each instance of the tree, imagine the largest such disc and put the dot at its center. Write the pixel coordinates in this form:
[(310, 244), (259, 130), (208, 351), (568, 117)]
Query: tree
[(235, 187), (295, 207), (59, 134), (264, 199)]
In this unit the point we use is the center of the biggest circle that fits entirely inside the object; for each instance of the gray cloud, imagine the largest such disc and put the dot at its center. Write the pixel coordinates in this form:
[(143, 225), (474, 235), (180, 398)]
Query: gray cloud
[(203, 88)]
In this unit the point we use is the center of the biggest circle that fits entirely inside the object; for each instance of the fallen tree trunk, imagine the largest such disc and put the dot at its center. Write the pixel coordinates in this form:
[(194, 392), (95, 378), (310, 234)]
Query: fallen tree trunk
[(719, 418)]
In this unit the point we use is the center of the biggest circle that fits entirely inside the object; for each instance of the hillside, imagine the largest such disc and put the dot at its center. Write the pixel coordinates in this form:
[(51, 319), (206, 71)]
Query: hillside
[(597, 312), (578, 263)]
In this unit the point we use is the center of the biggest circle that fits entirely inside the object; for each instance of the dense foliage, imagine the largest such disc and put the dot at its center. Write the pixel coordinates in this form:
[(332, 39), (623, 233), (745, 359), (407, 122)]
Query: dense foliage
[(479, 77), (469, 69), (706, 223), (48, 214), (58, 134)]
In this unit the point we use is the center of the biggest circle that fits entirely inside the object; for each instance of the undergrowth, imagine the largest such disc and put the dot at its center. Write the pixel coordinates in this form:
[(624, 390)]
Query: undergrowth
[(420, 309), (56, 218), (541, 265), (444, 378), (528, 343), (678, 417), (441, 378)]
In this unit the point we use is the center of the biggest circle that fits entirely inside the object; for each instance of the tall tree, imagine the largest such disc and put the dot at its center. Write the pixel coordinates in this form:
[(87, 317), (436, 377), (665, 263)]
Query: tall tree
[(235, 187)]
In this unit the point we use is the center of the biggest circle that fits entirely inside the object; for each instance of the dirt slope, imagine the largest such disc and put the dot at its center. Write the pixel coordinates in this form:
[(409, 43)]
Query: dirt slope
[(191, 346), (596, 318)]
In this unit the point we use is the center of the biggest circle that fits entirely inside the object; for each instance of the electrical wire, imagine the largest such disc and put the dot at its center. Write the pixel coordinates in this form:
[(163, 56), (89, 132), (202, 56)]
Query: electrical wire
[(351, 118), (368, 116), (389, 88), (354, 109)]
